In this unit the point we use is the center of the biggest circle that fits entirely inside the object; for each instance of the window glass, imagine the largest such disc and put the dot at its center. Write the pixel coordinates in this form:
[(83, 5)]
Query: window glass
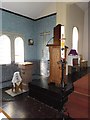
[(19, 50), (75, 39), (5, 50)]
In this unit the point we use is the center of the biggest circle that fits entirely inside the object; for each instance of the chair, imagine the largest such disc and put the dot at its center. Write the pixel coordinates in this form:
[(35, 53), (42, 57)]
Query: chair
[(16, 82), (74, 67), (83, 63)]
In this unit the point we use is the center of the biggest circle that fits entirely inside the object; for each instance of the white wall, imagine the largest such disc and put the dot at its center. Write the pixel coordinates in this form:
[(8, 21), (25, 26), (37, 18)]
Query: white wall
[(85, 40), (61, 13), (71, 15), (74, 17)]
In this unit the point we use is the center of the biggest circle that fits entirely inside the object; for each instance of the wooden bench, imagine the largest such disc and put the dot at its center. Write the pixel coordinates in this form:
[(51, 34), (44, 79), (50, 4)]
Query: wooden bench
[(75, 67)]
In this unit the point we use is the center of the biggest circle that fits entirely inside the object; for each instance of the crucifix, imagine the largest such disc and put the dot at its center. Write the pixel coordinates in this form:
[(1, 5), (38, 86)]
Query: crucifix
[(44, 34)]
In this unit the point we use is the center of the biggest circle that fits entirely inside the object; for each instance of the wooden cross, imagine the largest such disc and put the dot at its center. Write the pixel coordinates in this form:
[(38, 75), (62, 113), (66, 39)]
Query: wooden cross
[(44, 34)]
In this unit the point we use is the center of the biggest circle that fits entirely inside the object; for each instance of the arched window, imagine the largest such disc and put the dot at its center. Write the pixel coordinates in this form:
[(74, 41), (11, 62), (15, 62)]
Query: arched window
[(19, 50), (75, 39), (5, 50)]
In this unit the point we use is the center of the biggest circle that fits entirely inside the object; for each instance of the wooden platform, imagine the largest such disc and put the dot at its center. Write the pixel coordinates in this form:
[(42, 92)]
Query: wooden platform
[(49, 93), (25, 107)]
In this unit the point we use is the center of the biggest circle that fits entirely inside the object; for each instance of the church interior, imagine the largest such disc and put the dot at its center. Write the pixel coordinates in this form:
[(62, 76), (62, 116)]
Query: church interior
[(44, 60)]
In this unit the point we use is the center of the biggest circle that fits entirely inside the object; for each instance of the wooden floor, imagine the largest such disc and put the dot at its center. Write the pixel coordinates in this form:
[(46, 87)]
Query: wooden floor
[(25, 107)]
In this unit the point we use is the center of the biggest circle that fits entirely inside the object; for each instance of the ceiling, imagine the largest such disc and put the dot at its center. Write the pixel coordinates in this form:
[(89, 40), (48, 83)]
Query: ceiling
[(30, 9), (36, 9)]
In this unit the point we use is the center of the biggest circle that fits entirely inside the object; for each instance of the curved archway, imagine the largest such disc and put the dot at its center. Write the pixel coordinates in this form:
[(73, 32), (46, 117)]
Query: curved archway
[(75, 39), (5, 50), (19, 50)]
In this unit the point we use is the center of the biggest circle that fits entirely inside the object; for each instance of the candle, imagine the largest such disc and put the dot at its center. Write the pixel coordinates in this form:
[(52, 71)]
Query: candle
[(63, 47)]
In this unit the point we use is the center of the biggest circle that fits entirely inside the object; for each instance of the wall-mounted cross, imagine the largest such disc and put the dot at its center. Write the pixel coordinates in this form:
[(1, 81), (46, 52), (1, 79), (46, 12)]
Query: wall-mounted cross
[(44, 34)]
